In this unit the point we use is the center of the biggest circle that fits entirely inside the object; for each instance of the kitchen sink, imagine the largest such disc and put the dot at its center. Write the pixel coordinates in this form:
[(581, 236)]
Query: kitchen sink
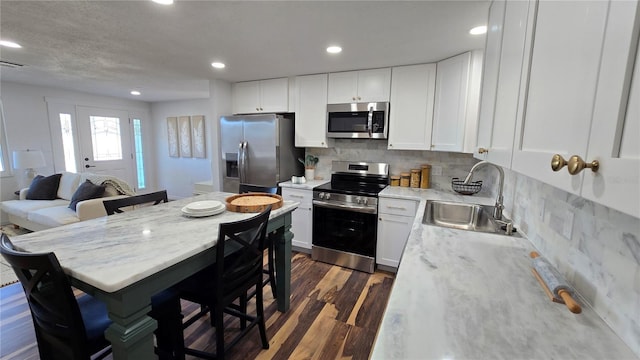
[(463, 216)]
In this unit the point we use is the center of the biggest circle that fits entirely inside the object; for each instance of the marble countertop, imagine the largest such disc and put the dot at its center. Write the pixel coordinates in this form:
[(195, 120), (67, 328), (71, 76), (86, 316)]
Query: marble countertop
[(309, 185), (115, 251), (467, 295)]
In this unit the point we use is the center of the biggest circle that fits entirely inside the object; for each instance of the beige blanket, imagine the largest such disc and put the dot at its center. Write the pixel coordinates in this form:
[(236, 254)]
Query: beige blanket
[(119, 184)]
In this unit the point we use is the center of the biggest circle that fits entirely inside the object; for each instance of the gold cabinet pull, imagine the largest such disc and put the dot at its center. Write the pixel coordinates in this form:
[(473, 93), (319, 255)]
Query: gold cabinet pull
[(557, 162), (576, 164), (482, 150)]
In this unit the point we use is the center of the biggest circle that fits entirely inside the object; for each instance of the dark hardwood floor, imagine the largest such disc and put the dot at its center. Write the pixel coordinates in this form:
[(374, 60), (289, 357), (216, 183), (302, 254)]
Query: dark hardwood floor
[(335, 314)]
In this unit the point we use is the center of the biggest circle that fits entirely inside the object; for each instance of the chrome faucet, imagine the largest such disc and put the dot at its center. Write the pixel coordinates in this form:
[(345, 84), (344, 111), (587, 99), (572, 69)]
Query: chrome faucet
[(499, 206)]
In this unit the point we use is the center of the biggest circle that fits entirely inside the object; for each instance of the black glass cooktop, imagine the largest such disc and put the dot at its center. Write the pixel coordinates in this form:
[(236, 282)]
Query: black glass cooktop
[(354, 185)]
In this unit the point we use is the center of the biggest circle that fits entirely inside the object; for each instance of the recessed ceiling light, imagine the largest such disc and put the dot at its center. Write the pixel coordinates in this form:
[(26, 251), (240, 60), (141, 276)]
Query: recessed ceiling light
[(10, 44), (334, 49), (163, 2), (478, 30), (135, 92), (218, 65)]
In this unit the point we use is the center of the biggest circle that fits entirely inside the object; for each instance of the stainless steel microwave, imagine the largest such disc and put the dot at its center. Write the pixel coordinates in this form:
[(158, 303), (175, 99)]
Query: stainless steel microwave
[(358, 120)]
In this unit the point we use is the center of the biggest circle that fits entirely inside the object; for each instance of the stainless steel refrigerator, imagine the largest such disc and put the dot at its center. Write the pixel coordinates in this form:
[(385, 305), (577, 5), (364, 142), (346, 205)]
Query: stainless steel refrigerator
[(258, 150)]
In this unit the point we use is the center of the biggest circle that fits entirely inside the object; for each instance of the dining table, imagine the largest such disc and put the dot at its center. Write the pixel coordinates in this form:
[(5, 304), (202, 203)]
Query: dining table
[(124, 259)]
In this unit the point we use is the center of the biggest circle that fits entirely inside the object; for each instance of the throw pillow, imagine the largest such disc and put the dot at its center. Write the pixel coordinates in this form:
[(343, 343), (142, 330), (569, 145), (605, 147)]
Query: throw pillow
[(87, 190), (44, 188)]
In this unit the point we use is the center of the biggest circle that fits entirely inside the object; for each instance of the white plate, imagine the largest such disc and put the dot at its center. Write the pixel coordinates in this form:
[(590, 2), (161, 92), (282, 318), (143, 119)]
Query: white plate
[(203, 206), (212, 212)]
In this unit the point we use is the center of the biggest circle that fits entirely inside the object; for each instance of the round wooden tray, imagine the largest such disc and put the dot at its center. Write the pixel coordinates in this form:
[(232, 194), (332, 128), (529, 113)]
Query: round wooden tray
[(253, 202)]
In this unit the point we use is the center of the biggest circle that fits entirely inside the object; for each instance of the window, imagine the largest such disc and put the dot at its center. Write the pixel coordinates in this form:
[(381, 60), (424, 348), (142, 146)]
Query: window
[(5, 167), (67, 143), (105, 135), (137, 138)]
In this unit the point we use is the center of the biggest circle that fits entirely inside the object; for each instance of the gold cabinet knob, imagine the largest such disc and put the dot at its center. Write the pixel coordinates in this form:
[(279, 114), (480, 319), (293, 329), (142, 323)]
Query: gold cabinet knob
[(576, 164), (557, 162), (482, 150)]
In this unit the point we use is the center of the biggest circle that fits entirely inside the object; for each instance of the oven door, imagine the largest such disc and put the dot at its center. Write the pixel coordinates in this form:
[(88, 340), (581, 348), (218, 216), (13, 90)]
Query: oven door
[(345, 228)]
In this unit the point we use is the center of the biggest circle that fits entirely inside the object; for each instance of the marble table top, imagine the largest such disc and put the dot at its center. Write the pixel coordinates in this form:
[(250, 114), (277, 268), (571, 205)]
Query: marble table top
[(467, 295), (115, 251)]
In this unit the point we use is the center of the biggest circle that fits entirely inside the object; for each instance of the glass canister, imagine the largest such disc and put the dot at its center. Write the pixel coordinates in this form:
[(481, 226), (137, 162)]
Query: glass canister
[(405, 178), (415, 178), (425, 180), (395, 180)]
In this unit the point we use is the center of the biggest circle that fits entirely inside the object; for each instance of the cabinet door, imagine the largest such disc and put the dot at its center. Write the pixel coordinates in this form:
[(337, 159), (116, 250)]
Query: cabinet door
[(506, 104), (393, 232), (246, 97), (301, 218), (565, 47), (374, 85), (492, 50), (615, 130), (311, 111), (274, 95), (452, 78), (343, 87), (412, 95)]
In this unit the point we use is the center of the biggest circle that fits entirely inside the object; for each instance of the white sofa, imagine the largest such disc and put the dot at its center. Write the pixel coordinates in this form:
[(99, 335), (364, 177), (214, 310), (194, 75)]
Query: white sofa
[(44, 214)]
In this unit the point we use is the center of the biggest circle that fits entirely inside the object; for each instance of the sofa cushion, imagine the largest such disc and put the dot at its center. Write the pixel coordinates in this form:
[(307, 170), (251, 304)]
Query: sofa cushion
[(68, 185), (20, 208), (87, 190), (53, 216), (44, 188)]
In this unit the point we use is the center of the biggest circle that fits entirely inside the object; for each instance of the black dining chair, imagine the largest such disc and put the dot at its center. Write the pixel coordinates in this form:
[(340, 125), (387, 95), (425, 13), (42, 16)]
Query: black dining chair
[(270, 271), (66, 327), (229, 279), (117, 205)]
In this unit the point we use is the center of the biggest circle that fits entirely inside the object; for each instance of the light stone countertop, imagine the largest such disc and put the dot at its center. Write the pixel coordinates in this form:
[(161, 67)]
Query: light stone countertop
[(115, 251), (466, 295), (309, 185)]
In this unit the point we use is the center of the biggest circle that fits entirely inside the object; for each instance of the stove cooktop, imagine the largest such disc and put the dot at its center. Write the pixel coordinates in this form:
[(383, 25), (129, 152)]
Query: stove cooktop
[(353, 188)]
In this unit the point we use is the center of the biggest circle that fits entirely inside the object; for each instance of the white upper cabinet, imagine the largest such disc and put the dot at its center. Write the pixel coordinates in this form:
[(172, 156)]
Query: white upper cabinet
[(311, 111), (576, 99), (411, 115), (457, 94), (615, 131), (501, 87), (359, 86), (263, 96)]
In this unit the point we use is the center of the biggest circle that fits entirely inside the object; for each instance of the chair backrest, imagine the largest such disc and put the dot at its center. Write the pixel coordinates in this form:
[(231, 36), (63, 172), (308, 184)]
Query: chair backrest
[(58, 323), (117, 205), (239, 271), (248, 188)]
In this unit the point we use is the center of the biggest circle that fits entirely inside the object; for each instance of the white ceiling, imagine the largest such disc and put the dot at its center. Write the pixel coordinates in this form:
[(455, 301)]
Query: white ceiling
[(112, 47)]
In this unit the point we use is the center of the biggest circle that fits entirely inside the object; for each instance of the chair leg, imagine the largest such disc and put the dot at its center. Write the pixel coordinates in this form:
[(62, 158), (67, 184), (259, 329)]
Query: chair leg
[(219, 319), (260, 316), (243, 309), (271, 265)]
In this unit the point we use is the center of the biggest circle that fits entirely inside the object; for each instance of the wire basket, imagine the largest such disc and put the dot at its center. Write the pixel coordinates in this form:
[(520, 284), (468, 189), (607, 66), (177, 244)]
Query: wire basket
[(465, 189)]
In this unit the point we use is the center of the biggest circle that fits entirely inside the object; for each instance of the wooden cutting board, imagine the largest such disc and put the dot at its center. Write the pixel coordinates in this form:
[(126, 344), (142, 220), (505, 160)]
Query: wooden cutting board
[(253, 202)]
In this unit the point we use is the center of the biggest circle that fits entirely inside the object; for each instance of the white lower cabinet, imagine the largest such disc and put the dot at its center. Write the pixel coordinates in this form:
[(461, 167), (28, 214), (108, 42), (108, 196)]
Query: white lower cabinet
[(395, 218), (302, 217)]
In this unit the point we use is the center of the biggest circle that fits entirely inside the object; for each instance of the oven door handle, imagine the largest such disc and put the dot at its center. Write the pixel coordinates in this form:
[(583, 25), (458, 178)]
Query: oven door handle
[(360, 209)]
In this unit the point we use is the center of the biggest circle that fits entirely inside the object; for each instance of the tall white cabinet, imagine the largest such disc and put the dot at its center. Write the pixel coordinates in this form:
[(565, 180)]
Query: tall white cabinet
[(311, 111)]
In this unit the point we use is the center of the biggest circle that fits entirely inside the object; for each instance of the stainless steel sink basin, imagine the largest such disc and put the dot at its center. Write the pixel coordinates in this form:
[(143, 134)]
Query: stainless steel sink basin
[(463, 216)]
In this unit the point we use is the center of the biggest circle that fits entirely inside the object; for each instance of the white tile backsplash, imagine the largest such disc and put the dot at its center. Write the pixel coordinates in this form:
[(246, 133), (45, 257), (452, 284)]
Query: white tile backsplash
[(600, 256)]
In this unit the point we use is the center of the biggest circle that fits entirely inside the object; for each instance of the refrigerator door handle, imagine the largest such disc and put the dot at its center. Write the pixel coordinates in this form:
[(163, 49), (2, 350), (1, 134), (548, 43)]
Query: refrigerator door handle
[(240, 163), (243, 171)]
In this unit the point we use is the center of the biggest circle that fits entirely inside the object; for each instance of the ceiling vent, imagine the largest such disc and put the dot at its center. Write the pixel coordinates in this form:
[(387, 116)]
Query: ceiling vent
[(10, 64)]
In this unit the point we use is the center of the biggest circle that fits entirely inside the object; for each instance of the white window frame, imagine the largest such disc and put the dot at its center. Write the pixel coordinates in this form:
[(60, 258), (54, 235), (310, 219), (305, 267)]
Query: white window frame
[(3, 146)]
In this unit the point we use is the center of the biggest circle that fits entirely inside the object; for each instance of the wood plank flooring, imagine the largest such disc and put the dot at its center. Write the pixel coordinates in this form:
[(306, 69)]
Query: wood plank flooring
[(335, 314)]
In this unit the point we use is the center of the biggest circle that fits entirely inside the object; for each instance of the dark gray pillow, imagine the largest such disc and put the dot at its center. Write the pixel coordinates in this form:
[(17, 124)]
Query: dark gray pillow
[(86, 191), (44, 188)]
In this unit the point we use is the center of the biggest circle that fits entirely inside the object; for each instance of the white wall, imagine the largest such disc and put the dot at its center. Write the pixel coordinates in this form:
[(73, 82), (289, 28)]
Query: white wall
[(175, 174), (27, 122)]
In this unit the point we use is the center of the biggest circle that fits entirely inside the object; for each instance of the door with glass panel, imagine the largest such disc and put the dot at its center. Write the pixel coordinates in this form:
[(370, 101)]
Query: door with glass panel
[(105, 142)]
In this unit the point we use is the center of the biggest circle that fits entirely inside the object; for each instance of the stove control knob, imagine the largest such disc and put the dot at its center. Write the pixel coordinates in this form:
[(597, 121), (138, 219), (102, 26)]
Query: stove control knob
[(321, 195), (358, 200), (327, 196), (365, 201)]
